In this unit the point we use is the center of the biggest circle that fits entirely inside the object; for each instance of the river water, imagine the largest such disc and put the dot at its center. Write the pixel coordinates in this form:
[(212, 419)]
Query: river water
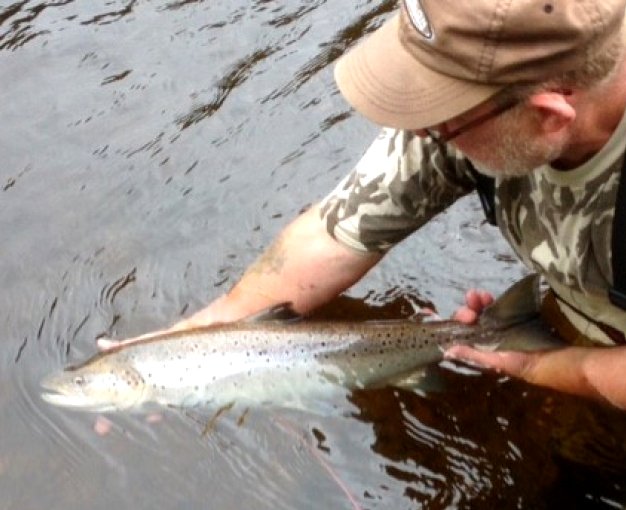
[(150, 149)]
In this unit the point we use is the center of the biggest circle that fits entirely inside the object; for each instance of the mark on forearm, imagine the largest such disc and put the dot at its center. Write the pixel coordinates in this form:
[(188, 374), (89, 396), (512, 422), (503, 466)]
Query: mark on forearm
[(271, 261)]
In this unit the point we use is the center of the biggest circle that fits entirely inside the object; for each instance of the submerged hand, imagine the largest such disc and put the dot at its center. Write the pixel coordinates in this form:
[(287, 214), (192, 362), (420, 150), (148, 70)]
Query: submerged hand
[(204, 317), (514, 363), (593, 372)]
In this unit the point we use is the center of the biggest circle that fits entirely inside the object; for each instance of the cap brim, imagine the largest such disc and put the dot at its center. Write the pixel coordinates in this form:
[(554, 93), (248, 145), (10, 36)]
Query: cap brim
[(389, 86)]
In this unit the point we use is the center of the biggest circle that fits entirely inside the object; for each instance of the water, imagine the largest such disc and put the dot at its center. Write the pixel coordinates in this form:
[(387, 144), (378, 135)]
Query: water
[(150, 150)]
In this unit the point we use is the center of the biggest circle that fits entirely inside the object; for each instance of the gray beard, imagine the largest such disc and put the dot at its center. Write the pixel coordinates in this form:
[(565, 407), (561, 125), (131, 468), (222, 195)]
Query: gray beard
[(519, 159)]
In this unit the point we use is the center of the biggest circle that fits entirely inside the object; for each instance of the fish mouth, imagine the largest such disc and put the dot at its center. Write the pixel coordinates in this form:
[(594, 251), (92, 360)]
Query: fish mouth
[(59, 395), (73, 401)]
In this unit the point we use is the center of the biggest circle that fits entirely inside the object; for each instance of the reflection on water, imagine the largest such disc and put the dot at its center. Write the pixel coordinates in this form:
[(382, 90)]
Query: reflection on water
[(445, 457), (149, 151)]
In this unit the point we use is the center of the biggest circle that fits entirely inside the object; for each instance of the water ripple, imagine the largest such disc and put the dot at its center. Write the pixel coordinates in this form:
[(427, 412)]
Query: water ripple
[(334, 48), (111, 17), (238, 74)]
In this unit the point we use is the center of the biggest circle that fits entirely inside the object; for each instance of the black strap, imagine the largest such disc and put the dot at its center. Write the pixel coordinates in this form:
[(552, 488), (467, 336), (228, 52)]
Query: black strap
[(486, 189), (617, 293)]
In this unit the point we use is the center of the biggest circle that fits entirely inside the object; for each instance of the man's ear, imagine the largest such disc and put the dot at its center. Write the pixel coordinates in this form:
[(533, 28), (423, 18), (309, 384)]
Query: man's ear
[(555, 109)]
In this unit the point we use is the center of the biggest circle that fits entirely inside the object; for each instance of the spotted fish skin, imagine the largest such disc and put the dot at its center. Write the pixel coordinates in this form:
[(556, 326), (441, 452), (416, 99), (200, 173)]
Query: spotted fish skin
[(262, 362)]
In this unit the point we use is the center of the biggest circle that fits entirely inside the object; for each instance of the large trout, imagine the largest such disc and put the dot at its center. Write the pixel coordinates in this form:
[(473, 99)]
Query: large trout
[(284, 363)]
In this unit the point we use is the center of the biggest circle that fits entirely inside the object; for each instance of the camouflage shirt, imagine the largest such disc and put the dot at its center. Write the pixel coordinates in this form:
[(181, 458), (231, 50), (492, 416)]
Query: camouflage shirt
[(559, 223)]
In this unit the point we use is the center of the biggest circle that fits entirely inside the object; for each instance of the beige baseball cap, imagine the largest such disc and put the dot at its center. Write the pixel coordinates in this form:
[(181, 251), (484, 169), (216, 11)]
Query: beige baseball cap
[(436, 59)]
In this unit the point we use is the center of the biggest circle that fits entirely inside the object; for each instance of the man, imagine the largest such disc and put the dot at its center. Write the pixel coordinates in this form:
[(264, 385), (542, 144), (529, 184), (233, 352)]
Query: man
[(530, 92)]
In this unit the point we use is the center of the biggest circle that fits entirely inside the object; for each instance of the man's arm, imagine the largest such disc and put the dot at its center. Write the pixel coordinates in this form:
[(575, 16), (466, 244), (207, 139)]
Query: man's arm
[(304, 266)]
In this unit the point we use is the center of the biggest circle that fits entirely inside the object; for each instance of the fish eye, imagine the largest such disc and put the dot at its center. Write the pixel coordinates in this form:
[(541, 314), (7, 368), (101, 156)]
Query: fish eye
[(79, 380)]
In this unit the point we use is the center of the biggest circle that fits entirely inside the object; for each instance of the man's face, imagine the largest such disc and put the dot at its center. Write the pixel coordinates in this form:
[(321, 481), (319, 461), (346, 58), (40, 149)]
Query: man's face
[(510, 144)]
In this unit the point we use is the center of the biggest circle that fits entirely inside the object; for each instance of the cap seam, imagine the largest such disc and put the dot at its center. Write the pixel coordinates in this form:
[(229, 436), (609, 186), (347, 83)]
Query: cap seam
[(487, 57)]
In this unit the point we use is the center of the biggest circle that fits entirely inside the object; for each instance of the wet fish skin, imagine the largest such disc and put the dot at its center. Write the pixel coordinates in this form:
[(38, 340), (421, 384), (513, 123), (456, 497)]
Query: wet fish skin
[(265, 362)]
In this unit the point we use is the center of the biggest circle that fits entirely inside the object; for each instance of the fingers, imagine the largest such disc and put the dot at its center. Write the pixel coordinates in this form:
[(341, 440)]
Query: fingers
[(513, 363), (466, 315), (478, 300), (106, 344)]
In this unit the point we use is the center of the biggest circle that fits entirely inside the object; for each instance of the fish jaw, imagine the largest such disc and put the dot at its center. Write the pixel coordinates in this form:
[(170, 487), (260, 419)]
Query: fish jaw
[(96, 389), (75, 401)]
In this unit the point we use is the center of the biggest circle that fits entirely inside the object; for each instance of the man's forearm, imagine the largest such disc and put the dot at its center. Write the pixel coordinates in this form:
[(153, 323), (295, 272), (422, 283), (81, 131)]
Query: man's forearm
[(599, 373), (304, 266)]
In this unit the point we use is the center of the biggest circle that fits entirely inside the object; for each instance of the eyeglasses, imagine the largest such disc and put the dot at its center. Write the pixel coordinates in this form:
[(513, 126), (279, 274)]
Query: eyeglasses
[(447, 136)]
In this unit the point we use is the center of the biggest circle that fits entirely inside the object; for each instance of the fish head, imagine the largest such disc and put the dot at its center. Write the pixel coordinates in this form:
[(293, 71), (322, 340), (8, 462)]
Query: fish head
[(100, 386)]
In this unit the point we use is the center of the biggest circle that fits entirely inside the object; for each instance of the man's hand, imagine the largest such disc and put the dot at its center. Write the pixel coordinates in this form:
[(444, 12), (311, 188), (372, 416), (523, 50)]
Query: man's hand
[(597, 373), (515, 364)]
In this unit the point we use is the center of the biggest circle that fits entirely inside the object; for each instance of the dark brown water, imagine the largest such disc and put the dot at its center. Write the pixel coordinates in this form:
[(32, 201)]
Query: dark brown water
[(149, 150)]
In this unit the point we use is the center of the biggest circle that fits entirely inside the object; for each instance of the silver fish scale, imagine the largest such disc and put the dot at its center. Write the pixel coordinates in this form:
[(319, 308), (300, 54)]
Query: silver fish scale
[(278, 363)]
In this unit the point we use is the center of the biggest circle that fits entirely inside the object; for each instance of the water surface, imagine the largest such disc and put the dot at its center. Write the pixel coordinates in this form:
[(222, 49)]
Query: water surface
[(150, 150)]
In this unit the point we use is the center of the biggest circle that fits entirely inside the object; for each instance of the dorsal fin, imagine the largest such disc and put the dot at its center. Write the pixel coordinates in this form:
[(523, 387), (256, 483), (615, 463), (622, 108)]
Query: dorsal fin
[(519, 303), (281, 312)]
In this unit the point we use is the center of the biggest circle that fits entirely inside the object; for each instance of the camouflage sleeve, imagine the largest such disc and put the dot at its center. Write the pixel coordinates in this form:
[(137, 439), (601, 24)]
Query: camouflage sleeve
[(401, 182)]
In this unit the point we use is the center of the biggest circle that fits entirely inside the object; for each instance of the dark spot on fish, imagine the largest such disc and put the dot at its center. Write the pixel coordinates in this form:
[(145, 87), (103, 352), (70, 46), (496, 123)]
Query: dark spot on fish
[(548, 8)]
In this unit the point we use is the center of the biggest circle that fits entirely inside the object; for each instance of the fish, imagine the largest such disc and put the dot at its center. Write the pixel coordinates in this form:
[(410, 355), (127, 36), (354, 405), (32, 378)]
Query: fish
[(286, 363)]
